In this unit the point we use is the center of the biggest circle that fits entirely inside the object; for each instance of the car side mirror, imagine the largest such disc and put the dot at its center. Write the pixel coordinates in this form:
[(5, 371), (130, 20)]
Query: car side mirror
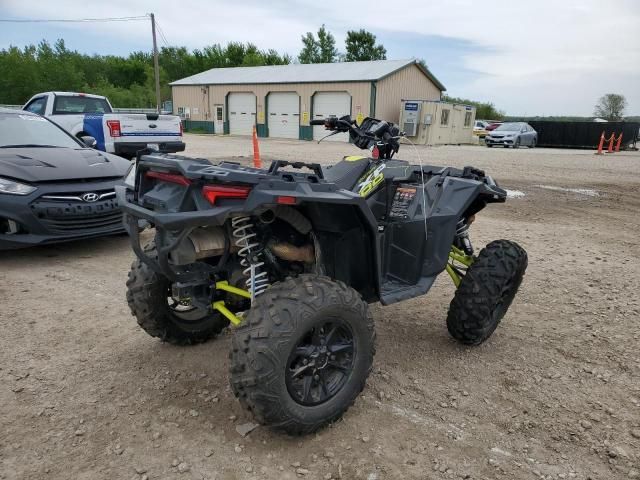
[(89, 141), (523, 130)]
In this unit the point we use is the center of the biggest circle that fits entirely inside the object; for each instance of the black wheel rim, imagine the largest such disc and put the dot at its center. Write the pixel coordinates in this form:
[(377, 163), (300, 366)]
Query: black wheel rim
[(321, 363)]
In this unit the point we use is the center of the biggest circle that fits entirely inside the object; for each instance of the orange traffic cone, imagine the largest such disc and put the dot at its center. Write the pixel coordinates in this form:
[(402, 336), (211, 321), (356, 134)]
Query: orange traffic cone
[(256, 150), (601, 144), (610, 149), (619, 142)]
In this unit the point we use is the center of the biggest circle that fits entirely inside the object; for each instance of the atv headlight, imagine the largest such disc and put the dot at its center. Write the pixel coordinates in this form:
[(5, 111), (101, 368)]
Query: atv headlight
[(15, 188), (130, 177)]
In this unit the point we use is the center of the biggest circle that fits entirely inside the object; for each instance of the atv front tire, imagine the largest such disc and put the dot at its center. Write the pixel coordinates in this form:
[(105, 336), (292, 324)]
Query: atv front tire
[(303, 353), (149, 298), (486, 292)]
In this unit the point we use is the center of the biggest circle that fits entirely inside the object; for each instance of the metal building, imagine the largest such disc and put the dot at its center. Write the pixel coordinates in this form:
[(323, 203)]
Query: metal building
[(280, 100), (432, 122)]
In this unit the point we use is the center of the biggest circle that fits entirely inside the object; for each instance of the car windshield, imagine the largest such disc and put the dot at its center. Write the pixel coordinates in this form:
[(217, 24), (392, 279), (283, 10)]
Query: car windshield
[(78, 104), (510, 127), (22, 130)]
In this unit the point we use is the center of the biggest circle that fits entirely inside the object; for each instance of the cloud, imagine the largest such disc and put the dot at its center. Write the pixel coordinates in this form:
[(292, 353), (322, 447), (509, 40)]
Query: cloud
[(543, 57)]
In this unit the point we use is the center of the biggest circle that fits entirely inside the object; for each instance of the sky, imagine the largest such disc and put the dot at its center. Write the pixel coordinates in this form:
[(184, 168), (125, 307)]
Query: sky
[(540, 57)]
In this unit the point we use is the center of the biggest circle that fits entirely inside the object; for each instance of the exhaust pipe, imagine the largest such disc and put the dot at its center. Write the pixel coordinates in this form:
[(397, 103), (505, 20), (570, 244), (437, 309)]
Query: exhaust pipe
[(201, 243), (291, 253)]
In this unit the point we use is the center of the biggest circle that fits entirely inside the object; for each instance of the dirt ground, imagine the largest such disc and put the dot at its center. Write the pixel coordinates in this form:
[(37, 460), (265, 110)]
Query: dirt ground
[(554, 394)]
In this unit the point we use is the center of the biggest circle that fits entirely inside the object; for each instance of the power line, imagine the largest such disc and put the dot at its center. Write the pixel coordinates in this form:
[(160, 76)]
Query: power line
[(162, 36), (73, 20)]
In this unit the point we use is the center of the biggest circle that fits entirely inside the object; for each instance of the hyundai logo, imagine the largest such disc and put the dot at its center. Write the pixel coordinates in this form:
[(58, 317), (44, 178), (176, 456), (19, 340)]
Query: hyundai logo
[(152, 125), (90, 197)]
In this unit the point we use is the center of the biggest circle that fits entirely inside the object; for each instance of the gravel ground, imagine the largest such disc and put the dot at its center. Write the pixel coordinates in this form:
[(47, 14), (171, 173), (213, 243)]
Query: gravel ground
[(554, 393)]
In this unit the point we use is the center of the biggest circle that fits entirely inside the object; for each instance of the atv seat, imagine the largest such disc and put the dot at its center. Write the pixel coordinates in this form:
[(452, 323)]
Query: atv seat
[(346, 173)]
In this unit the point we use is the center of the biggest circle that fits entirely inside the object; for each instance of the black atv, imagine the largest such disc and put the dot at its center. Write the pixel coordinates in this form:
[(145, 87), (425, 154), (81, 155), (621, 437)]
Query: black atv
[(292, 255)]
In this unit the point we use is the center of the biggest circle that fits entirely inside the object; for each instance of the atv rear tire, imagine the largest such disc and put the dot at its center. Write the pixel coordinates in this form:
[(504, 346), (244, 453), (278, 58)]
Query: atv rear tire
[(303, 353), (486, 292), (148, 296)]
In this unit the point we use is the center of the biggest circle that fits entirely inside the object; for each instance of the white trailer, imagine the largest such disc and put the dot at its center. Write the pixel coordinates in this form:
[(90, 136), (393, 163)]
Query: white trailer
[(433, 122)]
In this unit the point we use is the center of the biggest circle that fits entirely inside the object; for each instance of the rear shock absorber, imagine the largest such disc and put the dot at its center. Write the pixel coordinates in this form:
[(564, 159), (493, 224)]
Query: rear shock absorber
[(462, 234), (251, 257)]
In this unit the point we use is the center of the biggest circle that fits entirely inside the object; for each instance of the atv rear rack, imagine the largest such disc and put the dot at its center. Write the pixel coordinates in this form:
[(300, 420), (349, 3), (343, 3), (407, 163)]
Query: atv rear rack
[(315, 167)]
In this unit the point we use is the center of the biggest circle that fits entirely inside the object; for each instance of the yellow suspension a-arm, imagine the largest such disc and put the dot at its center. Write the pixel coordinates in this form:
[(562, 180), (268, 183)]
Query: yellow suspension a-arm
[(221, 307), (457, 255)]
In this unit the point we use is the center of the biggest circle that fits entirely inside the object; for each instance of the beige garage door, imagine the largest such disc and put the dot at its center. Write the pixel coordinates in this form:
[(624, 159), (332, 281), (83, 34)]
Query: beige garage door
[(330, 104), (284, 115), (242, 113)]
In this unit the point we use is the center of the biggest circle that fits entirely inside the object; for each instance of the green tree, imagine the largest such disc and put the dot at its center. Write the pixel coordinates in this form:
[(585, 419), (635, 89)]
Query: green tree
[(310, 49), (327, 44), (320, 50), (127, 81), (484, 110), (611, 107), (271, 57), (178, 62), (361, 46), (19, 74)]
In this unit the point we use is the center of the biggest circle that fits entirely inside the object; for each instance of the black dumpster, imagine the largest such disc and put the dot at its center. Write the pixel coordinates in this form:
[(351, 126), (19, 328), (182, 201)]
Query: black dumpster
[(583, 134)]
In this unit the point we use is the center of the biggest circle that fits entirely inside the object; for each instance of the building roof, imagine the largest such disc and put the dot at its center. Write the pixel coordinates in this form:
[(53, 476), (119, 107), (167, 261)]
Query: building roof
[(304, 73)]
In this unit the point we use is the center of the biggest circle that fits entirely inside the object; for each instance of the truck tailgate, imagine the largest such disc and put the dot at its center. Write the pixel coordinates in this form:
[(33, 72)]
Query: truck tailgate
[(151, 128)]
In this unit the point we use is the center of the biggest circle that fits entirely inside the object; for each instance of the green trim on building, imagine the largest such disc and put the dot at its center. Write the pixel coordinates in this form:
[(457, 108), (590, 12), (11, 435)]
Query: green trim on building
[(306, 132), (263, 128), (372, 100), (198, 126), (225, 125)]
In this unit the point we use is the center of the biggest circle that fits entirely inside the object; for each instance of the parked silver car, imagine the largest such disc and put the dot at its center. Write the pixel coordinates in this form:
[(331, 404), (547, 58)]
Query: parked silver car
[(512, 134)]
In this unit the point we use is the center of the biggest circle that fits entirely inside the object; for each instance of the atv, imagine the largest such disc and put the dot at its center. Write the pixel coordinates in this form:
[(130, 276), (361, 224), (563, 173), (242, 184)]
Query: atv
[(291, 257)]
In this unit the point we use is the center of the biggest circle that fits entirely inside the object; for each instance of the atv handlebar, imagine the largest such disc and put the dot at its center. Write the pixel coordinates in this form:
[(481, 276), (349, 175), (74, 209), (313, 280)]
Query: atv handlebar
[(371, 133)]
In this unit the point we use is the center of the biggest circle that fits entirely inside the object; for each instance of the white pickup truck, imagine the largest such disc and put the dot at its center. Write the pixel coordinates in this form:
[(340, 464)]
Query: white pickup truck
[(82, 114)]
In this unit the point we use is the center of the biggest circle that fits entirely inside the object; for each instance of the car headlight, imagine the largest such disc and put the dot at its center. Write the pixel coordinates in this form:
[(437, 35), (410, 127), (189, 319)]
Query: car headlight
[(15, 188), (130, 177)]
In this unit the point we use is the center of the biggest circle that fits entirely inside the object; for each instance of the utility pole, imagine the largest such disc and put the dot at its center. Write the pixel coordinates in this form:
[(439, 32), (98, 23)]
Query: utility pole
[(156, 68)]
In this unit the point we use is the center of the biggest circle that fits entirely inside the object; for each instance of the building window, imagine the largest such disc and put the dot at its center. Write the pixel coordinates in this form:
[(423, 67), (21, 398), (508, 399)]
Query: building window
[(219, 114), (444, 118), (467, 119)]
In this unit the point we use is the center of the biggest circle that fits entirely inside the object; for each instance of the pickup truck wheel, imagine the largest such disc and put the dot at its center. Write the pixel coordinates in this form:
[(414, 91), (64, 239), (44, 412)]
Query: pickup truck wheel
[(303, 353), (149, 298), (486, 292)]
